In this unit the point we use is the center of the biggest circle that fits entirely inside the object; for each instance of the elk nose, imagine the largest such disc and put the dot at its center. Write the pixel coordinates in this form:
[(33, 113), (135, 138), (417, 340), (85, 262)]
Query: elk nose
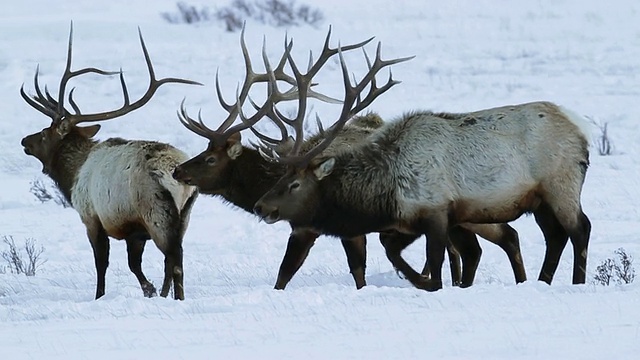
[(178, 173), (257, 209)]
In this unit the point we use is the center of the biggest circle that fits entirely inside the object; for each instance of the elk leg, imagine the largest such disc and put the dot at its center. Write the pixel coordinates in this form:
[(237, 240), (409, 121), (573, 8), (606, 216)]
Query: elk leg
[(466, 243), (298, 246), (135, 248), (457, 271), (580, 241), (173, 273), (555, 237), (100, 245), (394, 242), (437, 240), (578, 228), (454, 265), (506, 238), (356, 250), (166, 229)]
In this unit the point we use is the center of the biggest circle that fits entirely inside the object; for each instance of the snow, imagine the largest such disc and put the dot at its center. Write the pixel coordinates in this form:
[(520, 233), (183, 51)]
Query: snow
[(469, 56)]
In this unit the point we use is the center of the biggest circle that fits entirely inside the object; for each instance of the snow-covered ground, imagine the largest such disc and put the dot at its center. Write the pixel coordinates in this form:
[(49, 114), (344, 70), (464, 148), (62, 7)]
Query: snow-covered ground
[(584, 55)]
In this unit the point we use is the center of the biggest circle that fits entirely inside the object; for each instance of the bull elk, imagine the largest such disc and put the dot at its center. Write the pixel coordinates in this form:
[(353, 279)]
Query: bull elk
[(444, 176), (121, 188)]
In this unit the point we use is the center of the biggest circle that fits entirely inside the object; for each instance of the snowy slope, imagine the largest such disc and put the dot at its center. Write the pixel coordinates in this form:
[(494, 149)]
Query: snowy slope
[(469, 55)]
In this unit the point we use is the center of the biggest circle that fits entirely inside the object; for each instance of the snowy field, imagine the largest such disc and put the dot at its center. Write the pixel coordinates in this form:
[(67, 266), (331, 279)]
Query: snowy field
[(584, 55)]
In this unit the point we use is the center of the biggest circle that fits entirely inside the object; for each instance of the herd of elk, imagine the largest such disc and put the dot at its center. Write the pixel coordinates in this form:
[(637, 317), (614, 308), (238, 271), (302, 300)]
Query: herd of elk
[(447, 176), (241, 176), (121, 188)]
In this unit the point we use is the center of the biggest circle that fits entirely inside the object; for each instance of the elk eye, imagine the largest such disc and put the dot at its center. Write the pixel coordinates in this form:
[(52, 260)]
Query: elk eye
[(293, 186), (210, 160)]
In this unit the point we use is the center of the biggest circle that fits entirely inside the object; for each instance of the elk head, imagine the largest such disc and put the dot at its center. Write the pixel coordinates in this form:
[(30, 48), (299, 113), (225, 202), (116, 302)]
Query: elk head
[(210, 170), (299, 189), (64, 123)]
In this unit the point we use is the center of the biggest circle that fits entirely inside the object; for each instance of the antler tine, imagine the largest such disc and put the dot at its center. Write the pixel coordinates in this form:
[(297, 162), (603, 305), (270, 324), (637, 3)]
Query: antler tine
[(370, 80), (283, 130), (328, 52), (273, 96), (127, 106), (249, 79), (50, 98), (351, 96), (300, 91), (198, 126), (36, 104), (242, 93), (68, 74)]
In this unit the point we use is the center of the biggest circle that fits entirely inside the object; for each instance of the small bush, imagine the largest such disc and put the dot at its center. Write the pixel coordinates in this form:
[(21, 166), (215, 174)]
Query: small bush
[(604, 272), (625, 273), (602, 142), (46, 193), (17, 262), (276, 13), (187, 14), (619, 271)]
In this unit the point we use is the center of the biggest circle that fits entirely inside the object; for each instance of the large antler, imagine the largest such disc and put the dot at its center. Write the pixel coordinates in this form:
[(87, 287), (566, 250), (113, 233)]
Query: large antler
[(351, 105), (274, 95), (54, 108)]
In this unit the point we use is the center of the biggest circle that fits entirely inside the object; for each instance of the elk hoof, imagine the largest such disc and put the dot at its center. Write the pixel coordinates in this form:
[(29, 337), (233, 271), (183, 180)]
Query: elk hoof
[(149, 290), (178, 292), (428, 284)]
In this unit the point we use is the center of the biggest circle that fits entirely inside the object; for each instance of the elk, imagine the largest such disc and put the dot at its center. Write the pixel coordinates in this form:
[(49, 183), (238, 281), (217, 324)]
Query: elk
[(121, 188), (437, 175)]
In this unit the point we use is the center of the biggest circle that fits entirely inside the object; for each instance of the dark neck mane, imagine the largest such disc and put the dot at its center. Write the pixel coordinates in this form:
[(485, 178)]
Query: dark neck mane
[(251, 177), (66, 161), (352, 201)]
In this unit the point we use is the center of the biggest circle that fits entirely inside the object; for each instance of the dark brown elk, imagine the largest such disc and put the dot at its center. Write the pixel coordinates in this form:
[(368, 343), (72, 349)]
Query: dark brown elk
[(434, 174), (240, 176), (121, 188)]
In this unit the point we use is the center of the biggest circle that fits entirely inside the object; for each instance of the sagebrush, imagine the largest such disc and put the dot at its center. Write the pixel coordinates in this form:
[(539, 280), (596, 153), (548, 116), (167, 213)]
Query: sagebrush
[(276, 13), (23, 262), (618, 270), (188, 14), (603, 142), (45, 192)]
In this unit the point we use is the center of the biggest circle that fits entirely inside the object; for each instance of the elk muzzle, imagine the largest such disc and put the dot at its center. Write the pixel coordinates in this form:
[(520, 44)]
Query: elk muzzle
[(269, 214), (181, 175), (26, 144)]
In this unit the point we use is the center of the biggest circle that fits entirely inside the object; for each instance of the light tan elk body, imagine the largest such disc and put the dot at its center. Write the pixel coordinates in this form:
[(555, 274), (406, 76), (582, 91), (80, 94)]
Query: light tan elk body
[(121, 188), (431, 174)]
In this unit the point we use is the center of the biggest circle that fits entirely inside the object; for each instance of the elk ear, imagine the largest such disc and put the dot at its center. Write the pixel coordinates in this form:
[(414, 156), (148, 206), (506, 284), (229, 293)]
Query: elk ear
[(324, 168), (63, 128), (234, 146), (89, 131)]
